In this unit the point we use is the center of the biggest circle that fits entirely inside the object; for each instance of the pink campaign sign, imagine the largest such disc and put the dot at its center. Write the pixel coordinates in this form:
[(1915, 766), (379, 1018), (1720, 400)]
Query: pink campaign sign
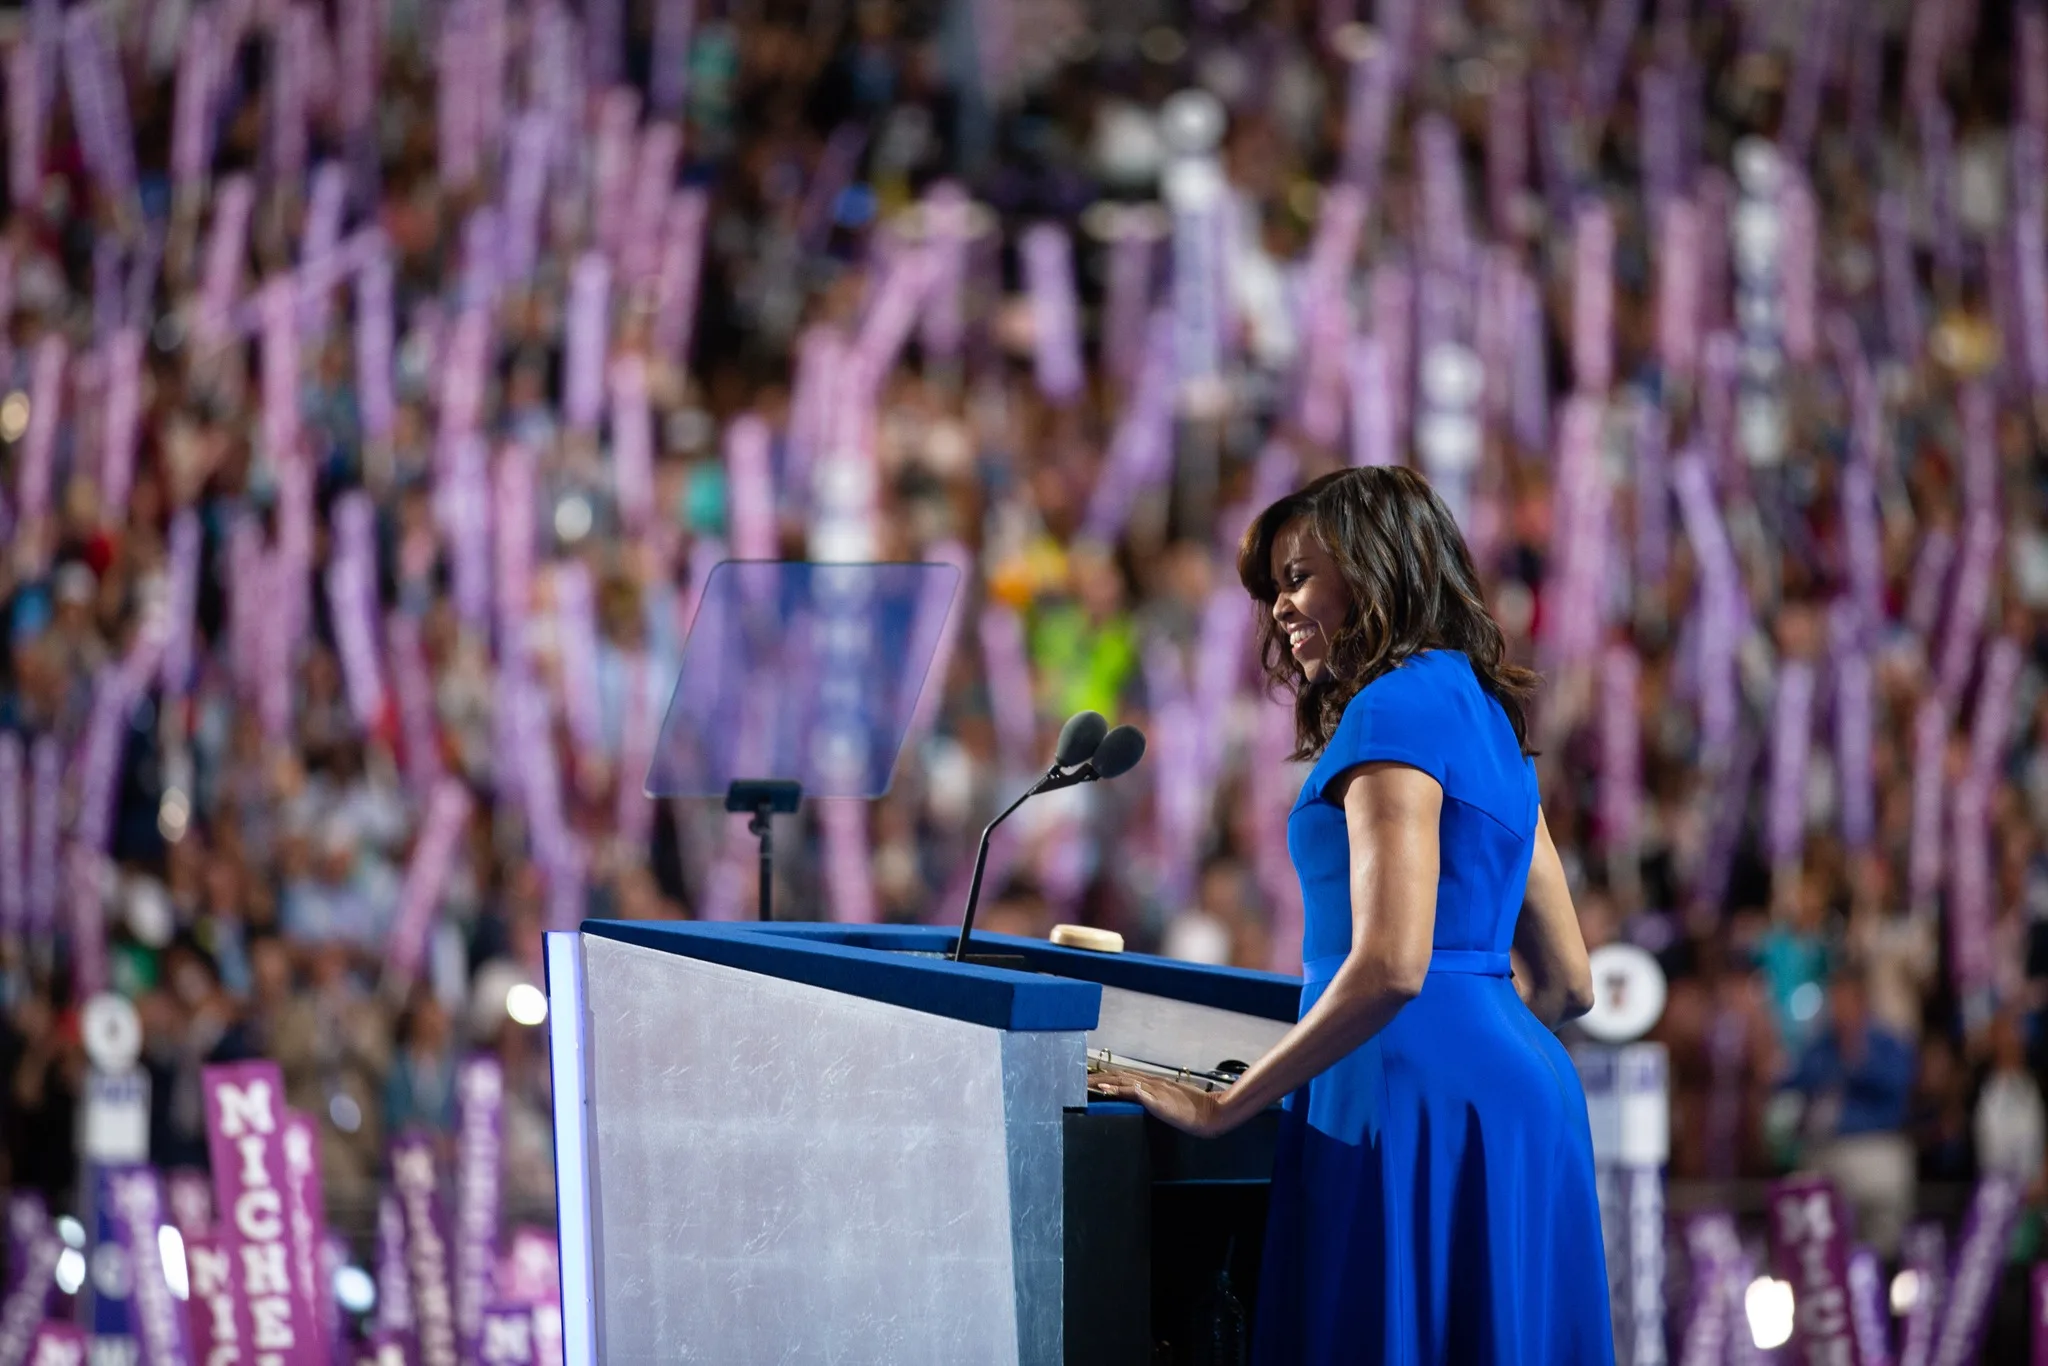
[(212, 1320), (246, 1135), (58, 1344)]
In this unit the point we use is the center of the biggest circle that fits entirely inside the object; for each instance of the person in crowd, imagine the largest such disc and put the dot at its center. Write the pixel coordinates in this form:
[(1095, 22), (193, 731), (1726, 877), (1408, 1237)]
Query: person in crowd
[(2010, 1125), (45, 1074), (527, 1122), (333, 1040), (420, 1091), (1893, 948), (1725, 1060), (1794, 955), (1019, 908), (189, 1021), (1221, 927), (1855, 1078), (1941, 1114)]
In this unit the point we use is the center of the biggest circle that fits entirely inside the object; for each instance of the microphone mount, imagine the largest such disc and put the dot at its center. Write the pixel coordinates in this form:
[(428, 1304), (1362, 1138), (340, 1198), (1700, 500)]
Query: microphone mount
[(1056, 779), (1089, 751)]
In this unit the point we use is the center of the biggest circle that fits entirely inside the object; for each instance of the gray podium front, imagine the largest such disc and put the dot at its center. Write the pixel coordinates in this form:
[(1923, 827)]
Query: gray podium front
[(802, 1143)]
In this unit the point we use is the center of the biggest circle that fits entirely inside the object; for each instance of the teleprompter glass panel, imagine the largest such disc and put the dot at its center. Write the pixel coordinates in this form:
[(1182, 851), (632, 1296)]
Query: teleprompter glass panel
[(803, 671)]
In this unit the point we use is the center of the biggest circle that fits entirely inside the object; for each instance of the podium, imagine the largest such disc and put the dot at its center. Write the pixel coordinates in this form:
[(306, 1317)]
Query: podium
[(799, 1142)]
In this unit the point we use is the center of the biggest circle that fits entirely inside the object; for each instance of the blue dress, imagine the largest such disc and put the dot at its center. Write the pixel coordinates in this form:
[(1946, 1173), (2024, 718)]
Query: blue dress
[(1433, 1193)]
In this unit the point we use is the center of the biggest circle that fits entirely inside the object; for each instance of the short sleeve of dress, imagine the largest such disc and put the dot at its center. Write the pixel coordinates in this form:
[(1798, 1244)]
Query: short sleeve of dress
[(1400, 717)]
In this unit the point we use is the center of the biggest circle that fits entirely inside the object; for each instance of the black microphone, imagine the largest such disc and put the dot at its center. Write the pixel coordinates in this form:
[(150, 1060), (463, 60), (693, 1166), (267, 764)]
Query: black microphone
[(1088, 752), (1118, 753), (1079, 739)]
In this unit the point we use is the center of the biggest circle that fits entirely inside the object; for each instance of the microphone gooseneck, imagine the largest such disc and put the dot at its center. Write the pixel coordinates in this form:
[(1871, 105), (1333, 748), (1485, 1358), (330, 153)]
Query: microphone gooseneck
[(1088, 751)]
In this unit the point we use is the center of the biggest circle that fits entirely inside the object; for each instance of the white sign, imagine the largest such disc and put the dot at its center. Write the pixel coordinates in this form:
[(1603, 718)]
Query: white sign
[(1628, 994), (112, 1032), (113, 1123)]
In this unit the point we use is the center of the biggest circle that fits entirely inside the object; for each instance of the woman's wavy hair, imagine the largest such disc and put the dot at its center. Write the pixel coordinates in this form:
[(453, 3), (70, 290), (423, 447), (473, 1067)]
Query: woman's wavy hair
[(1412, 589)]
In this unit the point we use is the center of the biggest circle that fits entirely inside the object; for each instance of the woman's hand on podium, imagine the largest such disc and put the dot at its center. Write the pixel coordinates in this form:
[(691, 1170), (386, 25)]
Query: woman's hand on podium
[(1185, 1107)]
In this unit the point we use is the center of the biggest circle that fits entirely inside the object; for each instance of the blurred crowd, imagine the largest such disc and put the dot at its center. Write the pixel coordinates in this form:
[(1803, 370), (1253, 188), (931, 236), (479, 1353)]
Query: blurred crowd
[(813, 215)]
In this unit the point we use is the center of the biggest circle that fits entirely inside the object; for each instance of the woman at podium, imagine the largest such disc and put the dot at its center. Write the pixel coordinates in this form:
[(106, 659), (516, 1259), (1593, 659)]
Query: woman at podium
[(1433, 1196)]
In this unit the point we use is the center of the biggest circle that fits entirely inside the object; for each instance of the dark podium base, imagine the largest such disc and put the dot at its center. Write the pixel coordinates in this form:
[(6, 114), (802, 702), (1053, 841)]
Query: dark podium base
[(1151, 1218), (1015, 962)]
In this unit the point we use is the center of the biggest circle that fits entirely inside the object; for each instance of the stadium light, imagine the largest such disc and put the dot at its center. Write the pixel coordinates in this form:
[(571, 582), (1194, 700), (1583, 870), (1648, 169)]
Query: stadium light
[(354, 1289), (1768, 1305), (526, 1005), (170, 1246)]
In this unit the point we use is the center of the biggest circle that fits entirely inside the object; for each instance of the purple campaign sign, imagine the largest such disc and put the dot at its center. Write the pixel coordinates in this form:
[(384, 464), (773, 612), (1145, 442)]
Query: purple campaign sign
[(213, 1318), (1593, 299), (1711, 1316), (58, 1344), (480, 1102), (547, 1335), (134, 1196), (1810, 1248), (1056, 325), (306, 1219), (394, 1294), (1141, 449), (1925, 1252), (333, 1257), (426, 1249), (373, 344), (590, 285), (28, 1219), (1854, 734), (507, 1337), (1867, 1307), (23, 1308), (1980, 1258), (246, 1127), (531, 1270), (420, 894), (1791, 752)]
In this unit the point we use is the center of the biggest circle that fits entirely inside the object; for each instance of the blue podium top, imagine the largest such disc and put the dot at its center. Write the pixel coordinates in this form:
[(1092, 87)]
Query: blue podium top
[(906, 965)]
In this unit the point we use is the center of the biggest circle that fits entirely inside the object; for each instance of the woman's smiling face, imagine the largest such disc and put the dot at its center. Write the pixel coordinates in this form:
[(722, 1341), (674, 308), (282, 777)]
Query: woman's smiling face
[(1310, 600)]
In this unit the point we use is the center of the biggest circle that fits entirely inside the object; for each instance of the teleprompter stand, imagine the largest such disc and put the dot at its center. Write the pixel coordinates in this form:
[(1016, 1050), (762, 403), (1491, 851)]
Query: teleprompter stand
[(767, 798)]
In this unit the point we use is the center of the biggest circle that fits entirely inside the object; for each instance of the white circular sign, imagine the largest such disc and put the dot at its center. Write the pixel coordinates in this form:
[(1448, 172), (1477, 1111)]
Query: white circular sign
[(1191, 122), (1628, 994), (1448, 441), (112, 1276), (1757, 166), (1757, 236), (1192, 184), (1451, 376), (113, 1032)]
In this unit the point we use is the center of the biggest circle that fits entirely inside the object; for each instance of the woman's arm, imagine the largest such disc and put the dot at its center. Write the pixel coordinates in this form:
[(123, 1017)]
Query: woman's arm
[(1548, 946), (1390, 814)]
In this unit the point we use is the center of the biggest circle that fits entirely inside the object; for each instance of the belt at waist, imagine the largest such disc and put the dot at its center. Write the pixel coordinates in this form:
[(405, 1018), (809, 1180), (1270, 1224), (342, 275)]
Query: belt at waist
[(1472, 962)]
